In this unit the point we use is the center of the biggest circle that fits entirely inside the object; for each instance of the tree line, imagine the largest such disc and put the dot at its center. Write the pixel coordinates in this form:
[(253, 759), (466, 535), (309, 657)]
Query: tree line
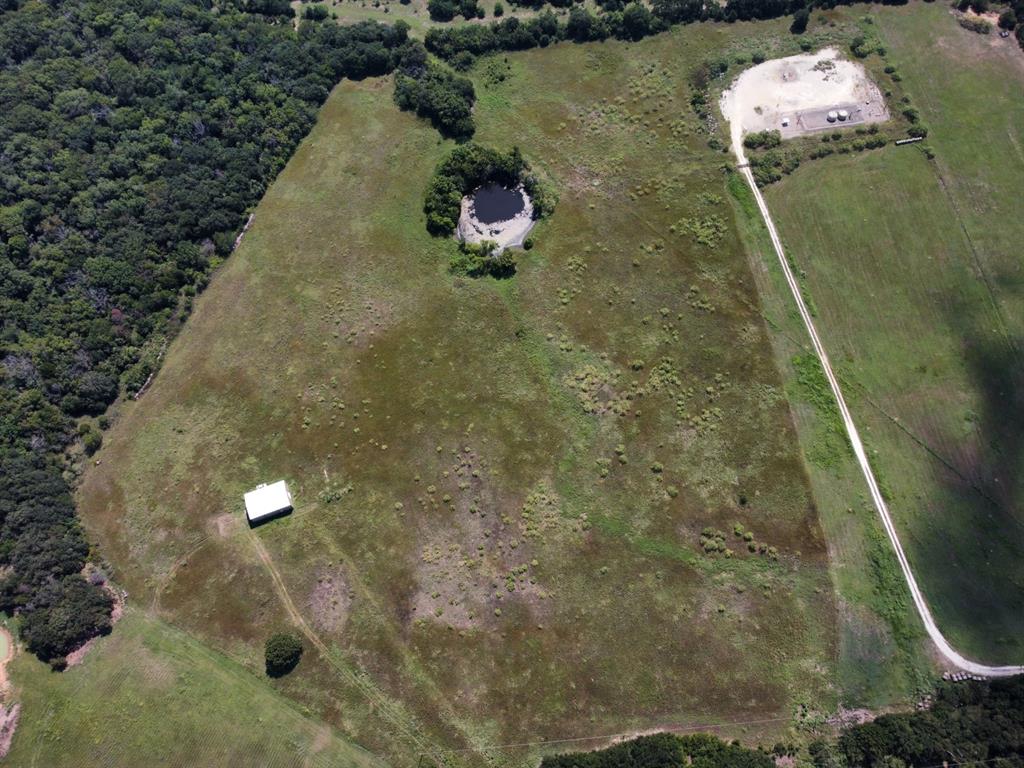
[(968, 723), (617, 19), (135, 138)]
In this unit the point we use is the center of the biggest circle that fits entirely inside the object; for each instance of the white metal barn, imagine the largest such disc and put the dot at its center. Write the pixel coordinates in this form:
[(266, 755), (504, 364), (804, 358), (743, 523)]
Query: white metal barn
[(266, 501)]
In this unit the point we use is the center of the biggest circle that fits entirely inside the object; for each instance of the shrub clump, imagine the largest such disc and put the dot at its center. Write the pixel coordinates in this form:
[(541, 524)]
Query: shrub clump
[(446, 10), (282, 653), (476, 259), (64, 615), (469, 167), (980, 26), (435, 93), (762, 140)]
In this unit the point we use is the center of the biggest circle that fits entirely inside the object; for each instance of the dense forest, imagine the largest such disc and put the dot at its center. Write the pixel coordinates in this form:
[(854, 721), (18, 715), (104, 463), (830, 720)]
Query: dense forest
[(976, 722), (968, 722), (136, 135)]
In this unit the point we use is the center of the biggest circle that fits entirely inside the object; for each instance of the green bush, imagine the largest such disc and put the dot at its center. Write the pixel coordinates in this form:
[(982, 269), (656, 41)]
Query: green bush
[(92, 440), (762, 140), (281, 654)]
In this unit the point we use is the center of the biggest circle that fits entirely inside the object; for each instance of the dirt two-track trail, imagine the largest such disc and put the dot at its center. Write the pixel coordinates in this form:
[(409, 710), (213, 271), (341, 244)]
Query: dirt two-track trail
[(943, 645), (380, 705)]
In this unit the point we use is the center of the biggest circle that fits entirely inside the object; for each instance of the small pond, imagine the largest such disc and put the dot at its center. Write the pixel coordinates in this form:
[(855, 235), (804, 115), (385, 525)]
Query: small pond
[(493, 203)]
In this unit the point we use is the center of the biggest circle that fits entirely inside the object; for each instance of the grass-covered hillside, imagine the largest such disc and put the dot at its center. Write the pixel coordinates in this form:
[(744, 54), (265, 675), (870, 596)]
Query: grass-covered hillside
[(567, 502)]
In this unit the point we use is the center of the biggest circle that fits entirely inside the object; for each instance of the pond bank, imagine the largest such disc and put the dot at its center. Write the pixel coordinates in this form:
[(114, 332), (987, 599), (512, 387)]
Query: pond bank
[(509, 233)]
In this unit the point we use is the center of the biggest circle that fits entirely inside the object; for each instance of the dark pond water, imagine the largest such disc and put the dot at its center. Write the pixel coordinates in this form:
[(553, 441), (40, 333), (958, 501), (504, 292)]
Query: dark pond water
[(494, 203)]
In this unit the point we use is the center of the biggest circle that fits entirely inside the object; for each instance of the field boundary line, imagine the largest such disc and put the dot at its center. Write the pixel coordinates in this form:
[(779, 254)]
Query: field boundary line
[(943, 645)]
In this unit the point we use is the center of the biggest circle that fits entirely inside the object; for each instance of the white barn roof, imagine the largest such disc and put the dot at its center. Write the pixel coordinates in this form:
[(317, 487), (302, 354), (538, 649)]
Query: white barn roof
[(267, 500)]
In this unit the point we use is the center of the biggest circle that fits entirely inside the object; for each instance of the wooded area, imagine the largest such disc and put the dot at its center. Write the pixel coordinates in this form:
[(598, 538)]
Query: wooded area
[(136, 137), (968, 722)]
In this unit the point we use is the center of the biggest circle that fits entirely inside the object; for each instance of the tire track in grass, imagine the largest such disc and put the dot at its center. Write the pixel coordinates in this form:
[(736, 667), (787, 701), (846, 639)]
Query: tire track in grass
[(379, 702)]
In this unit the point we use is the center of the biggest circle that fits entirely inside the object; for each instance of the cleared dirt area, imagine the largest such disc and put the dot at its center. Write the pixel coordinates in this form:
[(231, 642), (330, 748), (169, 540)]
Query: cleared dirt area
[(794, 96)]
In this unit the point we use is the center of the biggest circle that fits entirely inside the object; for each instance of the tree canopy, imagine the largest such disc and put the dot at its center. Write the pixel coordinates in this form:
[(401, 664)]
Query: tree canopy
[(665, 750), (136, 137), (281, 654)]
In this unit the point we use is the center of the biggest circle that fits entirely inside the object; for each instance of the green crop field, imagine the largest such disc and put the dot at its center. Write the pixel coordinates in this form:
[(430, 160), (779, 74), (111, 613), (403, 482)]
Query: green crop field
[(914, 269), (152, 695), (502, 486)]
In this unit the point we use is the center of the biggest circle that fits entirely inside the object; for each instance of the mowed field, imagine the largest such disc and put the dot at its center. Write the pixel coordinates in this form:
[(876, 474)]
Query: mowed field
[(151, 695), (914, 268), (500, 486)]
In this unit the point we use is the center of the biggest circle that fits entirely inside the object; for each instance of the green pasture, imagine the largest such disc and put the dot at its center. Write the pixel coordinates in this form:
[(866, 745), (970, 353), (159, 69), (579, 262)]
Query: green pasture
[(914, 271), (152, 695)]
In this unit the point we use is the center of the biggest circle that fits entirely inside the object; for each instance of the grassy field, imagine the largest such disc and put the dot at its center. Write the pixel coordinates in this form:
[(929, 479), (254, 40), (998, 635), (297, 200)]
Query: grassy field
[(914, 270), (883, 653), (501, 486), (152, 695)]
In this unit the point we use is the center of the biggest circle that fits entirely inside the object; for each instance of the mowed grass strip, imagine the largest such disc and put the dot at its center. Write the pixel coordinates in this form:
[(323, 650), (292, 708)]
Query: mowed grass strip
[(513, 498), (152, 695), (918, 309)]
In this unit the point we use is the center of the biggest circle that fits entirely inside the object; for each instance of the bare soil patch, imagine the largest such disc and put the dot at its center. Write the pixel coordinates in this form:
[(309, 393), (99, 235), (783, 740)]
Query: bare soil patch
[(8, 723), (331, 600), (484, 560), (9, 640), (225, 524), (794, 95)]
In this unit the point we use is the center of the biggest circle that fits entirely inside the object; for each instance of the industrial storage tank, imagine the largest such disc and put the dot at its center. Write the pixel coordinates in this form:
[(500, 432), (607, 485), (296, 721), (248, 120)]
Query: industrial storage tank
[(832, 115), (843, 115)]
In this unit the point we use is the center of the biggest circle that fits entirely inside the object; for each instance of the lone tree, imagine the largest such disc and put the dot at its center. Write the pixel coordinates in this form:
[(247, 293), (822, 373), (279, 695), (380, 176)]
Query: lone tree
[(282, 653)]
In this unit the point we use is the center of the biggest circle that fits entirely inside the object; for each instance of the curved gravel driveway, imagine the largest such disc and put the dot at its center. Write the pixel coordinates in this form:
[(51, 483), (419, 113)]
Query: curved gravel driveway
[(947, 650)]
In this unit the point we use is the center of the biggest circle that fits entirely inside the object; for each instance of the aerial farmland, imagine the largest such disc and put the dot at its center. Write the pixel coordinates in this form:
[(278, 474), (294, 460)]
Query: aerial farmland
[(634, 384)]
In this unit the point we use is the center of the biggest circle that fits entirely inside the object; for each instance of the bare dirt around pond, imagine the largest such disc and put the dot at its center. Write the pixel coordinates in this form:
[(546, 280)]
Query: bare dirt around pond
[(509, 233)]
